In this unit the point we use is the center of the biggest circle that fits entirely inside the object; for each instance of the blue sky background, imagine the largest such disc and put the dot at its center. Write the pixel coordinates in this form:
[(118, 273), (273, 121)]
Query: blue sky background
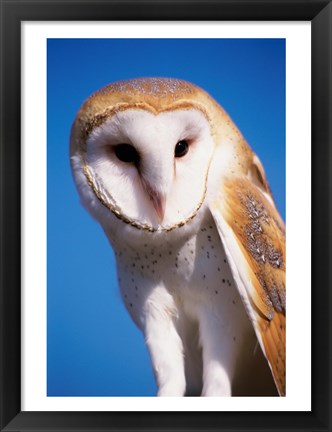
[(93, 348)]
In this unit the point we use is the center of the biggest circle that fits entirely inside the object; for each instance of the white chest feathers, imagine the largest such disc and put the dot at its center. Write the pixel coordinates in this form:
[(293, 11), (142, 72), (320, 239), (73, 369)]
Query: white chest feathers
[(184, 299)]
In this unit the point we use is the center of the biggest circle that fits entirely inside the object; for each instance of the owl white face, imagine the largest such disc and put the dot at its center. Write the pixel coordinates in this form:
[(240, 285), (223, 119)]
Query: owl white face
[(152, 169)]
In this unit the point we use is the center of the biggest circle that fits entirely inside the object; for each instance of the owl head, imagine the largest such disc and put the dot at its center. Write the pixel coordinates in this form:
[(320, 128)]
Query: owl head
[(148, 152)]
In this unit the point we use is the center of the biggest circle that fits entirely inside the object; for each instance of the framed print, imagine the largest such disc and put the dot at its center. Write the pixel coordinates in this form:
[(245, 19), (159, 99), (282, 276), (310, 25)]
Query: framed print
[(247, 60), (71, 358)]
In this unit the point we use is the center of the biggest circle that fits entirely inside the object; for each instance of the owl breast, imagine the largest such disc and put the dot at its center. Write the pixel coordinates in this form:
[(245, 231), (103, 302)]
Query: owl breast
[(193, 269), (191, 282)]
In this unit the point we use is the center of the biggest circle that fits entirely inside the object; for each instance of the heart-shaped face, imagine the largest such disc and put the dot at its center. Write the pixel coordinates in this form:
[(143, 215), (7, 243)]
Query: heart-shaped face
[(145, 148)]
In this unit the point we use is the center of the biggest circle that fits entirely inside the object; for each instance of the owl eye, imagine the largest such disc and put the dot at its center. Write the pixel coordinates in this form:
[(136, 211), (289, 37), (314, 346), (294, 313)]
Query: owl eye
[(127, 153), (181, 148)]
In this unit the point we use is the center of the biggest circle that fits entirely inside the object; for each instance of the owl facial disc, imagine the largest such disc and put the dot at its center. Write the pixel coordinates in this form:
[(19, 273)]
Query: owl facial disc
[(150, 169)]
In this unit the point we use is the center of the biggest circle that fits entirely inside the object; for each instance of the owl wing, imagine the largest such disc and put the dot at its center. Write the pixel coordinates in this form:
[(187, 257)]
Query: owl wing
[(253, 236)]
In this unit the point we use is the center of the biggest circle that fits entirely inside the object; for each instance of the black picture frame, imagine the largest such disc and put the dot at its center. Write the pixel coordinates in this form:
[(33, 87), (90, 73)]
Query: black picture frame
[(13, 12)]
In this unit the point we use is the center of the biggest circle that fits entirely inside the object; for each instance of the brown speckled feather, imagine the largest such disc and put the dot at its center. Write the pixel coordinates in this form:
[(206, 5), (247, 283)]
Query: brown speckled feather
[(254, 235), (151, 94)]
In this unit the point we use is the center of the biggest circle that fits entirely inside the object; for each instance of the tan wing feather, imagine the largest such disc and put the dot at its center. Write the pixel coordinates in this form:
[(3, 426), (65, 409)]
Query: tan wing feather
[(254, 238)]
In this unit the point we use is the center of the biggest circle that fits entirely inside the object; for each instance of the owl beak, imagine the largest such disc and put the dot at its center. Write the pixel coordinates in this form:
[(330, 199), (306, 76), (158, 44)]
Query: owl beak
[(158, 200)]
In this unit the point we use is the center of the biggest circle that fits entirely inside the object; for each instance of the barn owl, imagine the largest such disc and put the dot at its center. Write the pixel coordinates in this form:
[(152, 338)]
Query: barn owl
[(199, 243)]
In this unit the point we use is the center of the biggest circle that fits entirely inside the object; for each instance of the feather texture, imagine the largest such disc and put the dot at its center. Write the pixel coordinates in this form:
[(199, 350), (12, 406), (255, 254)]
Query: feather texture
[(259, 234)]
